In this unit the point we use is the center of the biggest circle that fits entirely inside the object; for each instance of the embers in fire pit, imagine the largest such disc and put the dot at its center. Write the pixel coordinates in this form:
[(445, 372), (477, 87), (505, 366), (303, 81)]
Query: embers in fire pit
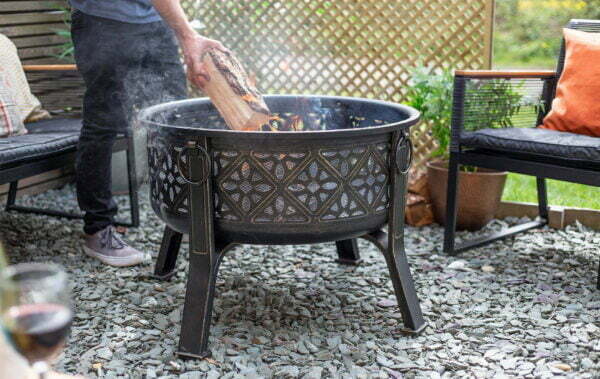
[(310, 115)]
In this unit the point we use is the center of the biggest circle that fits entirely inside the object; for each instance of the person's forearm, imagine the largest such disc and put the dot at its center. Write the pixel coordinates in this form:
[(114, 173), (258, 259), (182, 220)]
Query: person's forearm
[(193, 45), (173, 14)]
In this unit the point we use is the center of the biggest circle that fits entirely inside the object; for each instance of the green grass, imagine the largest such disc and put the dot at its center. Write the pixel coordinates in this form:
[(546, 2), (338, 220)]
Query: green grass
[(522, 188), (505, 60)]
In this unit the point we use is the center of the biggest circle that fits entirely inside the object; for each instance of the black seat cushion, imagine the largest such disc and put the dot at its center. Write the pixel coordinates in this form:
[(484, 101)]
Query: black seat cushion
[(45, 138), (536, 141), (55, 125)]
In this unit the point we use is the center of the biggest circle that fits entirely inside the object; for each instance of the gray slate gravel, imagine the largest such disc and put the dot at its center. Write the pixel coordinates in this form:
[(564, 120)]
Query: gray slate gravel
[(525, 307)]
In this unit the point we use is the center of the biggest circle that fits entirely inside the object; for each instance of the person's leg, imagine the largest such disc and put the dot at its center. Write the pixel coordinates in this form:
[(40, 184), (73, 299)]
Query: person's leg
[(106, 52), (98, 60), (93, 178)]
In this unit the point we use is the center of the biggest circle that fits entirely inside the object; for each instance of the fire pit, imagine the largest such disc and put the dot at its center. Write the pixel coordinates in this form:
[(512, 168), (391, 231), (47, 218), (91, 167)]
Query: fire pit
[(342, 177)]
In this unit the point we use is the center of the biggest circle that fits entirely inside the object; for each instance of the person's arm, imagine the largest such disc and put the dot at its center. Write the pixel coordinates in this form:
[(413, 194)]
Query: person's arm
[(193, 44)]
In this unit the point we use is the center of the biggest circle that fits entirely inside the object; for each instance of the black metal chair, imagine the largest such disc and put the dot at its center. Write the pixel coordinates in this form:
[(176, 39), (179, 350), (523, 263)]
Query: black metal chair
[(517, 146), (52, 144)]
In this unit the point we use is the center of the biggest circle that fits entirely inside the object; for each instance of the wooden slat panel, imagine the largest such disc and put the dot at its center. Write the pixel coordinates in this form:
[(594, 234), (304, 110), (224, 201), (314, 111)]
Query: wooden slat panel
[(32, 18), (42, 60), (42, 40), (58, 90), (39, 52), (29, 30), (28, 6)]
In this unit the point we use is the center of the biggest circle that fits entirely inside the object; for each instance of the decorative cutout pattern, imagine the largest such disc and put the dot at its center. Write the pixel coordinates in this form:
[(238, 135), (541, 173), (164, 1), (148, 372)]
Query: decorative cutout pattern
[(313, 186), (344, 161), (280, 210), (279, 165), (167, 186), (245, 186), (222, 160), (371, 180), (276, 187), (344, 206)]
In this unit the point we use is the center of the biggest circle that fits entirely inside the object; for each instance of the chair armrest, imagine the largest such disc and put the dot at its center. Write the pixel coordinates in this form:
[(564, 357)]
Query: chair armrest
[(497, 74), (50, 67), (499, 99)]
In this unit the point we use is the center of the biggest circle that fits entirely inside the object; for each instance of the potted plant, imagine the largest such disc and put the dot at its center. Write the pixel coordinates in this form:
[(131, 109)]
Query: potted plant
[(480, 190)]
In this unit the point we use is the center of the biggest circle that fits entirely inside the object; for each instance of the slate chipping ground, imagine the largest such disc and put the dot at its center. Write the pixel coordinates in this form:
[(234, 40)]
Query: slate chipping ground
[(525, 307)]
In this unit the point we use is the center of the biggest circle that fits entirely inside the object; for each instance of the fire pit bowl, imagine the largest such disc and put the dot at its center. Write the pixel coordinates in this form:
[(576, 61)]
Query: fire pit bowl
[(340, 174)]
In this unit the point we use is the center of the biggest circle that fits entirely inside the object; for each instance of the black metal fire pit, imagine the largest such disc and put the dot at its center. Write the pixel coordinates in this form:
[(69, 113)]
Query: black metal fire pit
[(342, 177)]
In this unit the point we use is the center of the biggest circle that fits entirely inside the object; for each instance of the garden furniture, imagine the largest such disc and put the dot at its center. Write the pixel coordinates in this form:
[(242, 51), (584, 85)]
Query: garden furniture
[(51, 144), (519, 147)]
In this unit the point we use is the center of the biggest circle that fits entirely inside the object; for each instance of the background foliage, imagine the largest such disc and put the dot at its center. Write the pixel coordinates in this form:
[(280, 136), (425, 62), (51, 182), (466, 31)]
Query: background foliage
[(430, 92), (527, 33)]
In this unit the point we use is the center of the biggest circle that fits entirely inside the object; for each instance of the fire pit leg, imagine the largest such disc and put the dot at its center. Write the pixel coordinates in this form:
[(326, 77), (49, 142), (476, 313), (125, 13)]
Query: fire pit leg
[(404, 286), (348, 253), (167, 256), (392, 244), (199, 296), (205, 254), (197, 311)]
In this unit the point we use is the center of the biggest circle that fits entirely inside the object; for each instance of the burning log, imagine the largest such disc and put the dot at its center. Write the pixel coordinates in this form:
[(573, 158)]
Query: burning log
[(235, 97)]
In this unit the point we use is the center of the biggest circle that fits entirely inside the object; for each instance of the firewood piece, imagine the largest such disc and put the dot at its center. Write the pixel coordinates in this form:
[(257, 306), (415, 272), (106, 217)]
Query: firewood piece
[(418, 211), (417, 184), (412, 199), (232, 93)]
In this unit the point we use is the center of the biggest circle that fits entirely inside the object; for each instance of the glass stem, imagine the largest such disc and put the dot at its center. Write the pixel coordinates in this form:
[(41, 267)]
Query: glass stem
[(41, 368)]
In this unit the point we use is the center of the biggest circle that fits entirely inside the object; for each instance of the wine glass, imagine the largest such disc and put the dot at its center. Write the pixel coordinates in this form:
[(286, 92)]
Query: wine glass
[(35, 311)]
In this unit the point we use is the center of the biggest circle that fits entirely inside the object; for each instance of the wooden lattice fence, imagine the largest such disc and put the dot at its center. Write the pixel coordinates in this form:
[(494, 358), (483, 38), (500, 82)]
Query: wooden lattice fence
[(350, 47), (345, 47)]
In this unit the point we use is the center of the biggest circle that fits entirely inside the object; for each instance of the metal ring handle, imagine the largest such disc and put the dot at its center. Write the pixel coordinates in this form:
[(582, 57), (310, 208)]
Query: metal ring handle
[(407, 141), (206, 157)]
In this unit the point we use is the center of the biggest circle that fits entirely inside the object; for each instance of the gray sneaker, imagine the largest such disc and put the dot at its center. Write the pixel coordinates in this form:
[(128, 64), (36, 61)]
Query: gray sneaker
[(107, 246)]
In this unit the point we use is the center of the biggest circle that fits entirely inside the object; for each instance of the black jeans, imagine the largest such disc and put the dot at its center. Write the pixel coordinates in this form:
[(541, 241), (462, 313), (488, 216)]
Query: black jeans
[(125, 67)]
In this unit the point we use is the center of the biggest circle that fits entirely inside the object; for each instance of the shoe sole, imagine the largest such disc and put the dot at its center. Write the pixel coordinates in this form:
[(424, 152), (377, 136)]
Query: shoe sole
[(115, 261)]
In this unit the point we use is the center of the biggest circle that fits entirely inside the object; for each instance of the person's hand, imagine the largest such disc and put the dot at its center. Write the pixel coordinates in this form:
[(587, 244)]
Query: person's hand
[(194, 48)]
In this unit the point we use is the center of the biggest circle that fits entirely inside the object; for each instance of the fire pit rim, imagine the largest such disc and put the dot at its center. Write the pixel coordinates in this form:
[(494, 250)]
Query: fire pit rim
[(413, 118)]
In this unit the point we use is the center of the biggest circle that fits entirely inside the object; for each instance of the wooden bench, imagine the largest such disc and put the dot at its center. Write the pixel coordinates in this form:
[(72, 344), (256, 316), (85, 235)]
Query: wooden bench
[(50, 144)]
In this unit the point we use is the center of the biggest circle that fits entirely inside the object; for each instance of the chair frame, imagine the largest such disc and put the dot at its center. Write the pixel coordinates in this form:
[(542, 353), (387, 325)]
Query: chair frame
[(15, 172), (555, 168)]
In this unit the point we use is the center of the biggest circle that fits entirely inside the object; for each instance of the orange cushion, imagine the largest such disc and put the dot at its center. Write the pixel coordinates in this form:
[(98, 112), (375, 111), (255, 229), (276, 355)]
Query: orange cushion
[(576, 107)]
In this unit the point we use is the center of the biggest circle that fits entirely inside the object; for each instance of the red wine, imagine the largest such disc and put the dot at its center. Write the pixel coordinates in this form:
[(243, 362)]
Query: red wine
[(38, 331)]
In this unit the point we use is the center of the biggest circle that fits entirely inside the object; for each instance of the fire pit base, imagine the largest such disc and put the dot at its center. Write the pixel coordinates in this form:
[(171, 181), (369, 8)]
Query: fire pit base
[(204, 269), (344, 180), (348, 253)]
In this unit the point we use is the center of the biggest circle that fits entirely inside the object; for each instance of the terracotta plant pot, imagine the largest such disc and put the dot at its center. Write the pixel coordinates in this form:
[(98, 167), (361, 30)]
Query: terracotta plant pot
[(479, 194)]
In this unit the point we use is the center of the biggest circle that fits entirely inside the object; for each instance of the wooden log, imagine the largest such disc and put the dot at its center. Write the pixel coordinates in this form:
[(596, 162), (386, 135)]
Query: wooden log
[(232, 93), (418, 211), (417, 184)]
